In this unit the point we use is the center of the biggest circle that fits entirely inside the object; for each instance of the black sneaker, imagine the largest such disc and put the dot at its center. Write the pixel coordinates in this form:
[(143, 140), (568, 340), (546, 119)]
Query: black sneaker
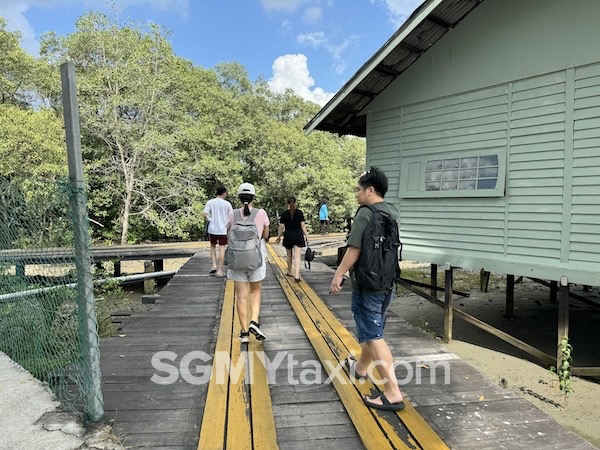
[(253, 328), (244, 337)]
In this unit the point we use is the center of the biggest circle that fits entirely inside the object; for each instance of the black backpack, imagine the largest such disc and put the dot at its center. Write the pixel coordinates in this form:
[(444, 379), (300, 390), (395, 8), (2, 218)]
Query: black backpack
[(377, 268)]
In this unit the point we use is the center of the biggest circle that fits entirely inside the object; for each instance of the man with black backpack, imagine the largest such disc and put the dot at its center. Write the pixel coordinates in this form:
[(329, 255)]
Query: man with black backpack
[(372, 258)]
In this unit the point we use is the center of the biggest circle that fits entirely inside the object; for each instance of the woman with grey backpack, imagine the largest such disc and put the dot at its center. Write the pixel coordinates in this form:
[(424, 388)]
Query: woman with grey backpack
[(248, 230)]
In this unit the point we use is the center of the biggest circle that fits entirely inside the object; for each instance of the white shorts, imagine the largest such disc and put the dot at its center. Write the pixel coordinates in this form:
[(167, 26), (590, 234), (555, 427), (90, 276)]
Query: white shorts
[(250, 275)]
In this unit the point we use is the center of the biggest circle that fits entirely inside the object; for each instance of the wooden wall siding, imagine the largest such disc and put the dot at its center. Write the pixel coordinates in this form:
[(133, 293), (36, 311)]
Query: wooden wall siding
[(585, 235), (471, 121), (536, 167), (383, 142), (548, 129)]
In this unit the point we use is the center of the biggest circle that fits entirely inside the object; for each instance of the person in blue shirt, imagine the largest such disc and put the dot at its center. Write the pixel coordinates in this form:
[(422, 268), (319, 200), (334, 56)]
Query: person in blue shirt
[(324, 217)]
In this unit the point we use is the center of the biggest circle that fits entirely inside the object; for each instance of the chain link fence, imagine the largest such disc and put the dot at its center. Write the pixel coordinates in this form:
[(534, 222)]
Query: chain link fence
[(45, 322)]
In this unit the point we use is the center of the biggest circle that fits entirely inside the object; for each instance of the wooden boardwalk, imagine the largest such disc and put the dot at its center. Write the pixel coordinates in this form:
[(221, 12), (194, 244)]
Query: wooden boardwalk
[(468, 412)]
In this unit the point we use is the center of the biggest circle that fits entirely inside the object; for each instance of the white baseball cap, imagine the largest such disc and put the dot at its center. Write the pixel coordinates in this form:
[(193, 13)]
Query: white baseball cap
[(246, 188)]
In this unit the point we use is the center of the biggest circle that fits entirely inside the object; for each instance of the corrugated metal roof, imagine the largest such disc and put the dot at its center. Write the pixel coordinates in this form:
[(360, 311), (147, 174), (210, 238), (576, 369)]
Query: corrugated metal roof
[(343, 114)]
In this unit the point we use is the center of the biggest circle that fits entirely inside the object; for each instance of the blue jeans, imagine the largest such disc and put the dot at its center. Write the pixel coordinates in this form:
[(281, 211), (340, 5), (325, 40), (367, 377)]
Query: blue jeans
[(369, 314)]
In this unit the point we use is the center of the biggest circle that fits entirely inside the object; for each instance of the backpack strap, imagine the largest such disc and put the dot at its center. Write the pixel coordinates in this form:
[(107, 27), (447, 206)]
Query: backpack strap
[(237, 215)]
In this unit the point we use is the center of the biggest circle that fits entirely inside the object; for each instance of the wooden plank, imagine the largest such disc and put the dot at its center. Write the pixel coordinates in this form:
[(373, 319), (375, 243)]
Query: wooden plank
[(264, 435), (365, 421), (212, 431), (339, 337), (239, 427)]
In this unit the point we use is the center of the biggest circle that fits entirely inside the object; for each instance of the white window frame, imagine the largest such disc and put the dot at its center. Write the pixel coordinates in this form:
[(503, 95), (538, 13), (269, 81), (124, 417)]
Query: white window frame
[(414, 168)]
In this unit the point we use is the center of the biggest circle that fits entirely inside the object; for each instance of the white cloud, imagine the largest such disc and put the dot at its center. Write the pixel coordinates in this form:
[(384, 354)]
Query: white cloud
[(315, 39), (14, 14), (14, 11), (291, 72), (318, 39), (312, 14), (286, 28), (281, 5), (399, 10)]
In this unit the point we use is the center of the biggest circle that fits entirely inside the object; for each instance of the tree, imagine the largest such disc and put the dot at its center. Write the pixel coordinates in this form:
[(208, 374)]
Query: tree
[(126, 88), (16, 69)]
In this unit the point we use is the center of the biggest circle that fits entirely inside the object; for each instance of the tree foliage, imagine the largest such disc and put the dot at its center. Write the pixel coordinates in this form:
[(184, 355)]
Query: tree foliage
[(159, 133)]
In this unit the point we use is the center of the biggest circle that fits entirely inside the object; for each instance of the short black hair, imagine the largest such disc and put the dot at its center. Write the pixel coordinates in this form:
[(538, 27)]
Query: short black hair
[(376, 178), (221, 190), (291, 198)]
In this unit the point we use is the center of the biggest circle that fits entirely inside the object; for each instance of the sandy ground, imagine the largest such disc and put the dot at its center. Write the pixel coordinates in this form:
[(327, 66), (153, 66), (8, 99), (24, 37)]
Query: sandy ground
[(534, 322)]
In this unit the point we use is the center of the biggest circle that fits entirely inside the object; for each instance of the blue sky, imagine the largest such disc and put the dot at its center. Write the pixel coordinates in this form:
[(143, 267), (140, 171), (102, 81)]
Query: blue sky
[(310, 46)]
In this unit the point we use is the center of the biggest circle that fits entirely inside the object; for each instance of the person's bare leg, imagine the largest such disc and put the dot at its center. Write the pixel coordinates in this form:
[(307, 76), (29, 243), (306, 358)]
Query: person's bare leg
[(213, 255), (241, 303), (363, 360), (289, 260), (255, 291), (221, 260), (382, 356), (297, 255)]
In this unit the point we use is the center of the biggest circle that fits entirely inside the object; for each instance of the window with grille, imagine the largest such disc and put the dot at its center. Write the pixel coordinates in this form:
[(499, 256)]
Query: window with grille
[(464, 174), (473, 173)]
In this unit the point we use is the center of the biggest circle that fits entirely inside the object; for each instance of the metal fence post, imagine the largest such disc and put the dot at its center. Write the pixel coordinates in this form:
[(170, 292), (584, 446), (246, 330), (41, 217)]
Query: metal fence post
[(83, 257)]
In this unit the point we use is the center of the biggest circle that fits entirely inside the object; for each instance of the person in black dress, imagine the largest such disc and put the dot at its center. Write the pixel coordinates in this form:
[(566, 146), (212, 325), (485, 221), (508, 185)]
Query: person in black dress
[(295, 236)]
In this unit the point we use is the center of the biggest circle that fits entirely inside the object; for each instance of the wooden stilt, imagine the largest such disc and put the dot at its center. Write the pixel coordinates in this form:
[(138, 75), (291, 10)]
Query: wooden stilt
[(159, 265), (117, 268), (149, 284), (448, 307), (510, 297), (484, 280), (434, 280), (563, 314), (553, 291)]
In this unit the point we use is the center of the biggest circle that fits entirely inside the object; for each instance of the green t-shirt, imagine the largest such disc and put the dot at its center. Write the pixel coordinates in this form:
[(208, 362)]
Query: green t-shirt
[(363, 215)]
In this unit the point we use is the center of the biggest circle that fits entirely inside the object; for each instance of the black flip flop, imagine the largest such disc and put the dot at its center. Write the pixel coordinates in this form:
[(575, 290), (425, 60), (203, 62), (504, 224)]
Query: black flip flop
[(350, 363), (385, 404), (213, 271)]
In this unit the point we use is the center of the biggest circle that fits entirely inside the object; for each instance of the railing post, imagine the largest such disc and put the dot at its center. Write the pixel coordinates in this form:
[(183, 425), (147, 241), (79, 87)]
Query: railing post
[(83, 255)]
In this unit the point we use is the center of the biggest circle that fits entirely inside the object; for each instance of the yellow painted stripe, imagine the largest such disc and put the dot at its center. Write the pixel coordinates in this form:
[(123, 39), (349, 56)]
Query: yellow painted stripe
[(342, 343), (212, 431), (364, 422), (330, 331), (414, 422), (239, 433), (264, 435)]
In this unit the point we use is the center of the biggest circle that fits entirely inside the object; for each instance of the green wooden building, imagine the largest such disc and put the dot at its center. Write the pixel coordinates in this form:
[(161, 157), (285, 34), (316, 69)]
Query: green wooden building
[(485, 116)]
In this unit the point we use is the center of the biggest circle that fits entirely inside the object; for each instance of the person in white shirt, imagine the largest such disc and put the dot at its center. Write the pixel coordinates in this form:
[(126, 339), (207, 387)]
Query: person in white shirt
[(217, 211)]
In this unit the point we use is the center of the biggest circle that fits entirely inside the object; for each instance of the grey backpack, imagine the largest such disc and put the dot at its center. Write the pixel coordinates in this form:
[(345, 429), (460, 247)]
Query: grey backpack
[(243, 243)]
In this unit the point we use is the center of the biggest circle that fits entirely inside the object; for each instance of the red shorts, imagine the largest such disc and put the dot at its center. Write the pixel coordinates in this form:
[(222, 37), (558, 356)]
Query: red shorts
[(220, 239)]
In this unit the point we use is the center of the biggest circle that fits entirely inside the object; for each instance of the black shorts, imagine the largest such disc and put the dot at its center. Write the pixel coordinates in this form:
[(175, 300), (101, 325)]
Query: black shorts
[(295, 238)]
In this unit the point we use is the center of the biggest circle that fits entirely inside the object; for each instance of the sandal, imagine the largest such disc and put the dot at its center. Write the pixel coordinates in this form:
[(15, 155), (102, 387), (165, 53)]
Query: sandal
[(385, 404), (350, 364)]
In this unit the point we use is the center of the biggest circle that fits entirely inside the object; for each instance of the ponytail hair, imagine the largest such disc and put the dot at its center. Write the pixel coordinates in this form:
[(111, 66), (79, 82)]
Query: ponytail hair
[(246, 199), (292, 202)]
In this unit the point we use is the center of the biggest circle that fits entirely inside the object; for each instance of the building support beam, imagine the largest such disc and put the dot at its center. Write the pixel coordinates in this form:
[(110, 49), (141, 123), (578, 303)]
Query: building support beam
[(448, 304)]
